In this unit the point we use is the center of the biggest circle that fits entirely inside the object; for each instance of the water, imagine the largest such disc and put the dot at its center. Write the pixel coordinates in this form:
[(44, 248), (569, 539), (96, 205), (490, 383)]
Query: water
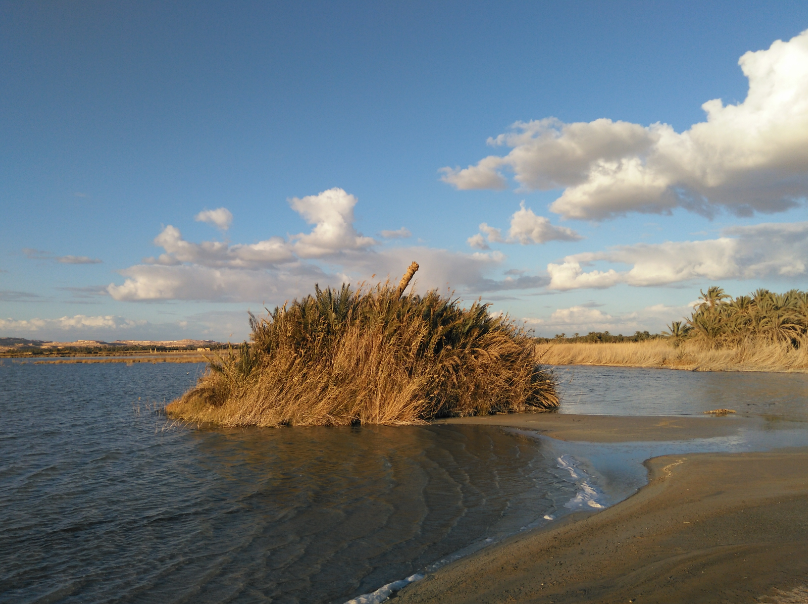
[(634, 391), (103, 499)]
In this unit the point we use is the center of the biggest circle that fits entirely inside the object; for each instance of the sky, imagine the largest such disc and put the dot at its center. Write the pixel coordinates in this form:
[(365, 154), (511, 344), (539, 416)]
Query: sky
[(167, 167)]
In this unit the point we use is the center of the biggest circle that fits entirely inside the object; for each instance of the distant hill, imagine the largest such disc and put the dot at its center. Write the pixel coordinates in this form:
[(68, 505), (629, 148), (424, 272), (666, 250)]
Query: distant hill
[(20, 342)]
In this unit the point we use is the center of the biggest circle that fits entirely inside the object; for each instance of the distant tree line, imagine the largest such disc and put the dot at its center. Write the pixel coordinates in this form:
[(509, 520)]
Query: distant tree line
[(596, 337), (720, 320)]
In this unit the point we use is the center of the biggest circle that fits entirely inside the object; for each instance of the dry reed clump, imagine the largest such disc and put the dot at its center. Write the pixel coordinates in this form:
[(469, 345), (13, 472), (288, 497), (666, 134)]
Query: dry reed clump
[(748, 355), (344, 357)]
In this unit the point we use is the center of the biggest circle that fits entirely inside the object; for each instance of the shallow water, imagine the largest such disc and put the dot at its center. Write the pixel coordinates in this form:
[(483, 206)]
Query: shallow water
[(635, 391), (102, 499)]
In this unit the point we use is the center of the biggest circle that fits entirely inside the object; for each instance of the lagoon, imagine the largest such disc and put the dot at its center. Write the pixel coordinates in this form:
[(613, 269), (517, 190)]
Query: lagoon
[(102, 498)]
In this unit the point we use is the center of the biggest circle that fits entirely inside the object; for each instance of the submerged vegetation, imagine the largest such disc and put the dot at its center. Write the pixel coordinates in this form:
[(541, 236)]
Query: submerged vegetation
[(370, 356), (763, 331)]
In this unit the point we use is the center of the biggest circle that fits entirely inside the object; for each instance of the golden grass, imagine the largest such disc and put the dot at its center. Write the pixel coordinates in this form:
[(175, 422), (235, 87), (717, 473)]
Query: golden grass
[(368, 357), (748, 356)]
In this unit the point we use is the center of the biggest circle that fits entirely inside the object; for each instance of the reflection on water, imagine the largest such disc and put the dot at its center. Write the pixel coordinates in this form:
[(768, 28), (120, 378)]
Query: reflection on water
[(636, 391), (100, 502)]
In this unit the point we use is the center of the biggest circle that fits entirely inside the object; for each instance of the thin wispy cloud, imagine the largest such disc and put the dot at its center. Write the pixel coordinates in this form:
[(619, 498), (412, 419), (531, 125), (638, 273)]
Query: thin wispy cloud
[(34, 254), (402, 233), (7, 295)]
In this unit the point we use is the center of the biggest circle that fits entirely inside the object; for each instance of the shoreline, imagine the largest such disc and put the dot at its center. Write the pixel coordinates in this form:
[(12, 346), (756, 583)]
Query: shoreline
[(122, 357), (660, 354), (707, 527), (730, 369)]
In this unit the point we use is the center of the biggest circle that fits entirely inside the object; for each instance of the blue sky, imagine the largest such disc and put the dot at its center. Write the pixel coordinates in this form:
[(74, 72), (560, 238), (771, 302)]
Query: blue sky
[(343, 140)]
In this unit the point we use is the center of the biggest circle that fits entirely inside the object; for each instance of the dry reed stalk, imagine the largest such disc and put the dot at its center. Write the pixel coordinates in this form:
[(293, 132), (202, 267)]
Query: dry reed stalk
[(748, 356), (405, 280)]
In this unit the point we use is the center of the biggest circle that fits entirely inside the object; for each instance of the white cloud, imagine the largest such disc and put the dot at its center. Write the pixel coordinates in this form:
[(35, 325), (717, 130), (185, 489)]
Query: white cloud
[(482, 176), (494, 235), (221, 218), (749, 157), (526, 228), (279, 269), (74, 323), (272, 251), (331, 213), (402, 233), (197, 282), (743, 252), (478, 242), (582, 319), (221, 326)]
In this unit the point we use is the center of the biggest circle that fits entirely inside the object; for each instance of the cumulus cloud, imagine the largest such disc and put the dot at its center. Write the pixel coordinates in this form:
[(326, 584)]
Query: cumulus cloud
[(493, 235), (198, 282), (279, 268), (272, 251), (221, 218), (402, 233), (331, 213), (35, 254), (484, 175), (748, 157), (742, 252), (526, 228)]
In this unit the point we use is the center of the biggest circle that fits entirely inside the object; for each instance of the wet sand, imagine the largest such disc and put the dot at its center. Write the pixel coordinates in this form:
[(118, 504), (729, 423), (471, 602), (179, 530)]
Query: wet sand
[(612, 428), (729, 527)]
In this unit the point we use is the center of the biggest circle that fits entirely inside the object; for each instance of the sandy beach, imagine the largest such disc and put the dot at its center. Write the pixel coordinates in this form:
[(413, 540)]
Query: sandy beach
[(728, 527)]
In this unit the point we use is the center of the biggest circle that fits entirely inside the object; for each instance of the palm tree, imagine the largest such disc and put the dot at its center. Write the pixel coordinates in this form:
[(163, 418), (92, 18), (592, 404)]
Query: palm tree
[(676, 332), (715, 296)]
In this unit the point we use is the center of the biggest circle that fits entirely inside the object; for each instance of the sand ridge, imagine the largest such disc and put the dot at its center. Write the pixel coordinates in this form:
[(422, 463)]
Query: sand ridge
[(613, 428)]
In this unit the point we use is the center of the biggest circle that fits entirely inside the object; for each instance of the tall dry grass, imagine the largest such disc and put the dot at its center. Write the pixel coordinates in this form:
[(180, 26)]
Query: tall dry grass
[(748, 355), (370, 357)]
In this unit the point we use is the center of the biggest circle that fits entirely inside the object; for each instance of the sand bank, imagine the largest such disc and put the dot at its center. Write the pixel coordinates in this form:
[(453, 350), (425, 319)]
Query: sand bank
[(611, 428), (729, 527)]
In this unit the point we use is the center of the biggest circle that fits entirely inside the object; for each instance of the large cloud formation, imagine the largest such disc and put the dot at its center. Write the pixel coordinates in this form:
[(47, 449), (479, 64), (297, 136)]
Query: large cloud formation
[(743, 252), (279, 268), (749, 157)]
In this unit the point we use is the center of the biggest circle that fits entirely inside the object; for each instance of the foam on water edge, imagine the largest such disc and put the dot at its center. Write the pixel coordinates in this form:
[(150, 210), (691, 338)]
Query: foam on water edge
[(587, 496), (385, 591)]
